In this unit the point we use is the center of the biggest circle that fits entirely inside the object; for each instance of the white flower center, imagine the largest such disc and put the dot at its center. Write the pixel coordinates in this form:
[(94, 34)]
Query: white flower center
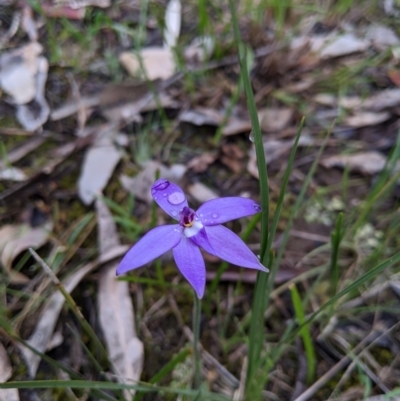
[(193, 230)]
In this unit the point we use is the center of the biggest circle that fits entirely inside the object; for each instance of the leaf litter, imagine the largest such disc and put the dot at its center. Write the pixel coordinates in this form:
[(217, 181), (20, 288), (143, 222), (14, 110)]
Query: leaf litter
[(289, 79)]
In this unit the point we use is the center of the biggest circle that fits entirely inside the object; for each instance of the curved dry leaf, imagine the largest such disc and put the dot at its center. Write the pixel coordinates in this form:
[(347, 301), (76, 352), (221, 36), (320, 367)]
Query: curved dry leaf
[(98, 165), (35, 113), (116, 314), (15, 239), (18, 69), (12, 174), (140, 185), (172, 23), (42, 334), (383, 99), (274, 119), (366, 118), (10, 394), (344, 45), (157, 62), (365, 162)]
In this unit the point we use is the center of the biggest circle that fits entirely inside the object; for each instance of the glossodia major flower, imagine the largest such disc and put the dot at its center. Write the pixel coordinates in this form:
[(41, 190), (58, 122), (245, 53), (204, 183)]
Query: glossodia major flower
[(195, 230)]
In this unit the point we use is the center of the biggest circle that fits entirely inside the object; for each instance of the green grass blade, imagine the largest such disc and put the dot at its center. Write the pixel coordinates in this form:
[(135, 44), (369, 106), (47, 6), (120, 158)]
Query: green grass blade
[(336, 238), (304, 333)]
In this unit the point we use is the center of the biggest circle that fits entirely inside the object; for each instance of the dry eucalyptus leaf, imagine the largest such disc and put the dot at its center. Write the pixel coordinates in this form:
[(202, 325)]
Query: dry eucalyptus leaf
[(343, 45), (172, 23), (156, 62), (12, 174), (44, 328), (18, 69), (10, 394), (200, 163), (274, 119), (35, 113), (382, 36), (140, 185), (98, 165), (15, 239), (383, 100), (366, 118), (368, 163), (201, 192), (115, 309)]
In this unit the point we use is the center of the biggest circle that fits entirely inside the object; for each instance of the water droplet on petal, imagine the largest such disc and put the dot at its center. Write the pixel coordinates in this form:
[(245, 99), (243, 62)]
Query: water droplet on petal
[(174, 213), (214, 215), (251, 136), (160, 184), (176, 198)]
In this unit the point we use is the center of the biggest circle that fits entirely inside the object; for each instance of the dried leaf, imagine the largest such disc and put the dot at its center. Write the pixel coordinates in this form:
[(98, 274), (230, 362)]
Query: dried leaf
[(365, 162), (12, 174), (157, 62), (44, 328), (18, 69), (382, 36), (200, 49), (344, 45), (172, 23), (98, 165), (383, 100), (201, 192), (116, 314), (274, 119), (366, 118), (15, 239), (140, 185), (200, 163), (34, 114), (5, 373)]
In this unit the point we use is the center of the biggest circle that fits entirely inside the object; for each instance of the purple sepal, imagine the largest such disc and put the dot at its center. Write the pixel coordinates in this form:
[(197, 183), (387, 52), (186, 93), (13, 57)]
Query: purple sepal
[(220, 210), (201, 240), (190, 262), (228, 246), (156, 242), (169, 197)]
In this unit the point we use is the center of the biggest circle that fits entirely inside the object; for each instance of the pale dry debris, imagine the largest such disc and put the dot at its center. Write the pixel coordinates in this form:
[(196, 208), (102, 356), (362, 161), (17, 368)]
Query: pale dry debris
[(116, 314), (140, 185), (43, 331), (98, 165), (382, 36), (366, 118), (18, 69), (368, 163), (201, 192), (156, 62), (10, 394), (383, 100), (15, 239), (172, 23), (200, 49), (343, 45), (275, 119), (12, 174)]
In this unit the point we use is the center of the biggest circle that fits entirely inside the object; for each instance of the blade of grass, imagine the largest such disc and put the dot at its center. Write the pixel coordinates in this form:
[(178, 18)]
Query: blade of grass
[(94, 385), (304, 333), (256, 336), (336, 239)]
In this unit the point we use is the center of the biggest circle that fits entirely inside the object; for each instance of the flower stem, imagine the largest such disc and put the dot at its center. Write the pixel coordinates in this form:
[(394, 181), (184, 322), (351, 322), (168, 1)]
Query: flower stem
[(196, 336)]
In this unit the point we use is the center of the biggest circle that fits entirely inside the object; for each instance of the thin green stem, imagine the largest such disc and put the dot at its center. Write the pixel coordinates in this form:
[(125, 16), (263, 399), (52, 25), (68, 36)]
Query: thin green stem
[(196, 336)]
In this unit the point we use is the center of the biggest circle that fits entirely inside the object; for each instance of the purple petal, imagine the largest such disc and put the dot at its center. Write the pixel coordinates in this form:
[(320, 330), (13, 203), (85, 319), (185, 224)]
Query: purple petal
[(169, 197), (228, 246), (201, 240), (156, 242), (190, 262), (220, 210)]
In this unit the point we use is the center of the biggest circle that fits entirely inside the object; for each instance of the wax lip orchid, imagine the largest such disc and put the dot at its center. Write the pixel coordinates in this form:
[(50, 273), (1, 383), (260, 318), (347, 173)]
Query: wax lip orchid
[(195, 230)]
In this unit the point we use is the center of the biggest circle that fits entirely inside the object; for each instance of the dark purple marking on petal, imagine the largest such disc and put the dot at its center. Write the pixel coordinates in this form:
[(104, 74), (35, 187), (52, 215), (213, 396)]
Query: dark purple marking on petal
[(220, 210), (201, 240), (190, 262), (156, 242), (169, 197), (228, 246)]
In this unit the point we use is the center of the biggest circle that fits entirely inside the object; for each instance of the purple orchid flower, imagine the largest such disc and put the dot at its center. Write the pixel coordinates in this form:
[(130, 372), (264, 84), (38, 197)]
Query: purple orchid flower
[(201, 229)]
